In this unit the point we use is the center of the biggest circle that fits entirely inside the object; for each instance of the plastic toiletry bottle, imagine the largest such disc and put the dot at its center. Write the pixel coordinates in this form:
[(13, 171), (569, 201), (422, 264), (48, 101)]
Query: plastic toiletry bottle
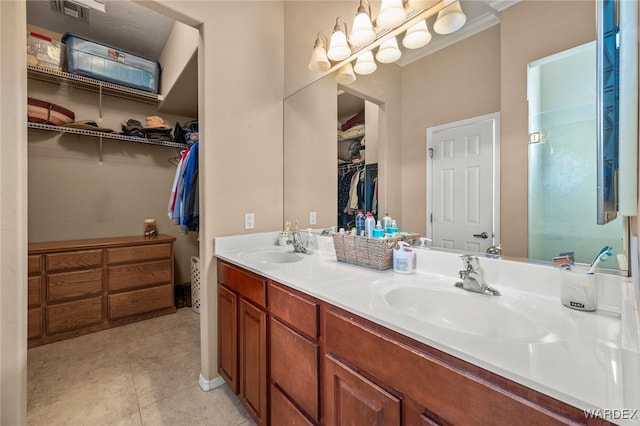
[(393, 229), (386, 223), (369, 224), (360, 223), (404, 259), (378, 232)]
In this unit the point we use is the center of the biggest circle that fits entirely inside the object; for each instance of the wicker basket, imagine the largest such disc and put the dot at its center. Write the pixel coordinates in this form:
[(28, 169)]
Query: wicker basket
[(373, 253)]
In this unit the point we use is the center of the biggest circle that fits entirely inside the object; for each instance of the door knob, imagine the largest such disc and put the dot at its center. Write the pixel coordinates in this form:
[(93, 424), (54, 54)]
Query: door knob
[(483, 235)]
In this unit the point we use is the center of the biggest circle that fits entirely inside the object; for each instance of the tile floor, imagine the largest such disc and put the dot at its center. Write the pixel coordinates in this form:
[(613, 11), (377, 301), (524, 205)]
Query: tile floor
[(144, 373)]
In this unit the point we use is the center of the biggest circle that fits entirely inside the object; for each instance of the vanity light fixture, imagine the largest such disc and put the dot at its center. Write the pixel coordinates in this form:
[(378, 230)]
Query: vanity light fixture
[(319, 61), (365, 64), (363, 38), (362, 32), (391, 15), (417, 36), (388, 51), (338, 47), (450, 19), (345, 74)]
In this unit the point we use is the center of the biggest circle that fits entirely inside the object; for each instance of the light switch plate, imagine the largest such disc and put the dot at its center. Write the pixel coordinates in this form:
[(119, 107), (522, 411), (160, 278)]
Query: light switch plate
[(312, 218), (248, 221)]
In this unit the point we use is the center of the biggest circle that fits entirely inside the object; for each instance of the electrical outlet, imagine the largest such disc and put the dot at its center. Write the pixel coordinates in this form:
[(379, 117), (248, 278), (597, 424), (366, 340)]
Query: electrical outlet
[(248, 221), (312, 218)]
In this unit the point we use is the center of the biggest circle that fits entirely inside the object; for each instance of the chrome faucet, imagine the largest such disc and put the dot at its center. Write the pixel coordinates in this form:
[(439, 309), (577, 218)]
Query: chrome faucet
[(296, 241), (472, 279)]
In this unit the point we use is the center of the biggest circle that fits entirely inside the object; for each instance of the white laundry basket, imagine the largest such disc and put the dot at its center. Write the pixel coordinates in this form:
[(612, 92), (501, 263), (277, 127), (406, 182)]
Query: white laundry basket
[(195, 284)]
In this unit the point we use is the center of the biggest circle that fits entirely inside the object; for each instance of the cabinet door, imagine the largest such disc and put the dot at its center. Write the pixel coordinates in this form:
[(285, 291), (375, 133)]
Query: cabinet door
[(228, 337), (283, 412), (352, 399), (253, 360), (294, 366)]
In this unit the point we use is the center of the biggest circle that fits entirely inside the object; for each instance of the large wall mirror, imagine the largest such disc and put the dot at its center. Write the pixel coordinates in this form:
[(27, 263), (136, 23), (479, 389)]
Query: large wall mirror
[(481, 75)]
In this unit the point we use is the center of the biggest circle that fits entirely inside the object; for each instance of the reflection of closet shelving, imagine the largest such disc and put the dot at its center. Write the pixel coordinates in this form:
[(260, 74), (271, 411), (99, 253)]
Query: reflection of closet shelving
[(92, 85), (102, 88)]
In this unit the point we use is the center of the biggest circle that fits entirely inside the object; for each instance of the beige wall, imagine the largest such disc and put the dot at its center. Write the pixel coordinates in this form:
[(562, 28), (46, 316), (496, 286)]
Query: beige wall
[(529, 32), (13, 215), (455, 83), (310, 153)]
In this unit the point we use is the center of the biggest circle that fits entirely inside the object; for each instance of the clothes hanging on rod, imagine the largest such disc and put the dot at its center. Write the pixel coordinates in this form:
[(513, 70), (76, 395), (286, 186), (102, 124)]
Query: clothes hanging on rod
[(184, 208)]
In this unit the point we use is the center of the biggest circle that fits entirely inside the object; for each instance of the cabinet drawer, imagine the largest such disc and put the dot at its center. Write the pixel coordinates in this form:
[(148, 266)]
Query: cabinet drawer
[(74, 315), (136, 302), (70, 285), (248, 285), (138, 253), (34, 291), (126, 277), (283, 412), (34, 323), (294, 309), (74, 259), (294, 366), (35, 265)]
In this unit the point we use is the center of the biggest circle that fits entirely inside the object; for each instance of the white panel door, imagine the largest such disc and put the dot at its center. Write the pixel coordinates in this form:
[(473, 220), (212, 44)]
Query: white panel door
[(463, 184)]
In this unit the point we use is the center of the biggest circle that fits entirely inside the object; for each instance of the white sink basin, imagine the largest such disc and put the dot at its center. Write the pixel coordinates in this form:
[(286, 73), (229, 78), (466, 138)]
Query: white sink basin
[(512, 317), (268, 256)]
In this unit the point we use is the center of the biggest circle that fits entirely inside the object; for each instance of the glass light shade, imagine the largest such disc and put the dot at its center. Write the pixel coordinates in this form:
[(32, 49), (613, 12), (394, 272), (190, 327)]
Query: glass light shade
[(388, 51), (338, 47), (450, 19), (365, 64), (417, 36), (319, 61), (345, 74), (362, 32), (391, 14)]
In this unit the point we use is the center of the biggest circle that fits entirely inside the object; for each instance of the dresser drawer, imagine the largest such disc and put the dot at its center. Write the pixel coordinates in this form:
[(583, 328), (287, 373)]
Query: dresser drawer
[(34, 291), (34, 323), (74, 259), (35, 265), (71, 285), (294, 309), (74, 315), (247, 284), (138, 253), (136, 302), (127, 277)]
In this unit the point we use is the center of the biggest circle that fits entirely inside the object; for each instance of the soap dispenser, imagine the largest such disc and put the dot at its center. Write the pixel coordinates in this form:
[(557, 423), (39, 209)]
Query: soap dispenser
[(404, 259)]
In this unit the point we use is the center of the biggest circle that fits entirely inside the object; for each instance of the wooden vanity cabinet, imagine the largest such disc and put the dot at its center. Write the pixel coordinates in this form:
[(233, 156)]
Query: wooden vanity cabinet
[(81, 286), (371, 371), (242, 337), (294, 356)]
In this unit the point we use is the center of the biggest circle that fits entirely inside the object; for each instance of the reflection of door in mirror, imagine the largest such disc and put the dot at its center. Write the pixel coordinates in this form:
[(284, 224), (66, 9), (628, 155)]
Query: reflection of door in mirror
[(562, 160), (357, 158), (463, 194)]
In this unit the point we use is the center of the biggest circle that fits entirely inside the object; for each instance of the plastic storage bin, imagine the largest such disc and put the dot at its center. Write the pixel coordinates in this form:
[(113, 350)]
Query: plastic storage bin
[(43, 51), (91, 59)]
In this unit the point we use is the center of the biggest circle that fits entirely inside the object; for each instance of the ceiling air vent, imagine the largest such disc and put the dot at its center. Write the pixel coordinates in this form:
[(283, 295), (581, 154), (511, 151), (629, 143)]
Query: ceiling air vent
[(78, 9)]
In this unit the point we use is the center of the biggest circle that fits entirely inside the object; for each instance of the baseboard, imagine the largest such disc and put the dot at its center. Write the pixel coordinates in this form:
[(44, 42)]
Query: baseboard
[(207, 385)]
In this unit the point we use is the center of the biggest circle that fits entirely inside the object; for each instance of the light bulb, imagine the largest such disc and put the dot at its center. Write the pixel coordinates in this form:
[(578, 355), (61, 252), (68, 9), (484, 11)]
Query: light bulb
[(391, 14), (365, 64), (417, 36), (388, 51)]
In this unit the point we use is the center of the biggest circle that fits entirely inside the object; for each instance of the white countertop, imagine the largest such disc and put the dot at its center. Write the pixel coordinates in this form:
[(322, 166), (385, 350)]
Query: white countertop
[(593, 363)]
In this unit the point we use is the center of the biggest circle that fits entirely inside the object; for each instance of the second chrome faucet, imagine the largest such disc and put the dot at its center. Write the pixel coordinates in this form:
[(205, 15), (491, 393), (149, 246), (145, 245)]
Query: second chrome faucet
[(471, 277)]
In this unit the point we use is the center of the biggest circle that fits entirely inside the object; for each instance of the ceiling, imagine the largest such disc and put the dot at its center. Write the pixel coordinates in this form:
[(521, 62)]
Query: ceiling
[(125, 25)]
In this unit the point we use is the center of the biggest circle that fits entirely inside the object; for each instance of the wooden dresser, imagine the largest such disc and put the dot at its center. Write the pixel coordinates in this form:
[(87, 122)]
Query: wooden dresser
[(82, 286)]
